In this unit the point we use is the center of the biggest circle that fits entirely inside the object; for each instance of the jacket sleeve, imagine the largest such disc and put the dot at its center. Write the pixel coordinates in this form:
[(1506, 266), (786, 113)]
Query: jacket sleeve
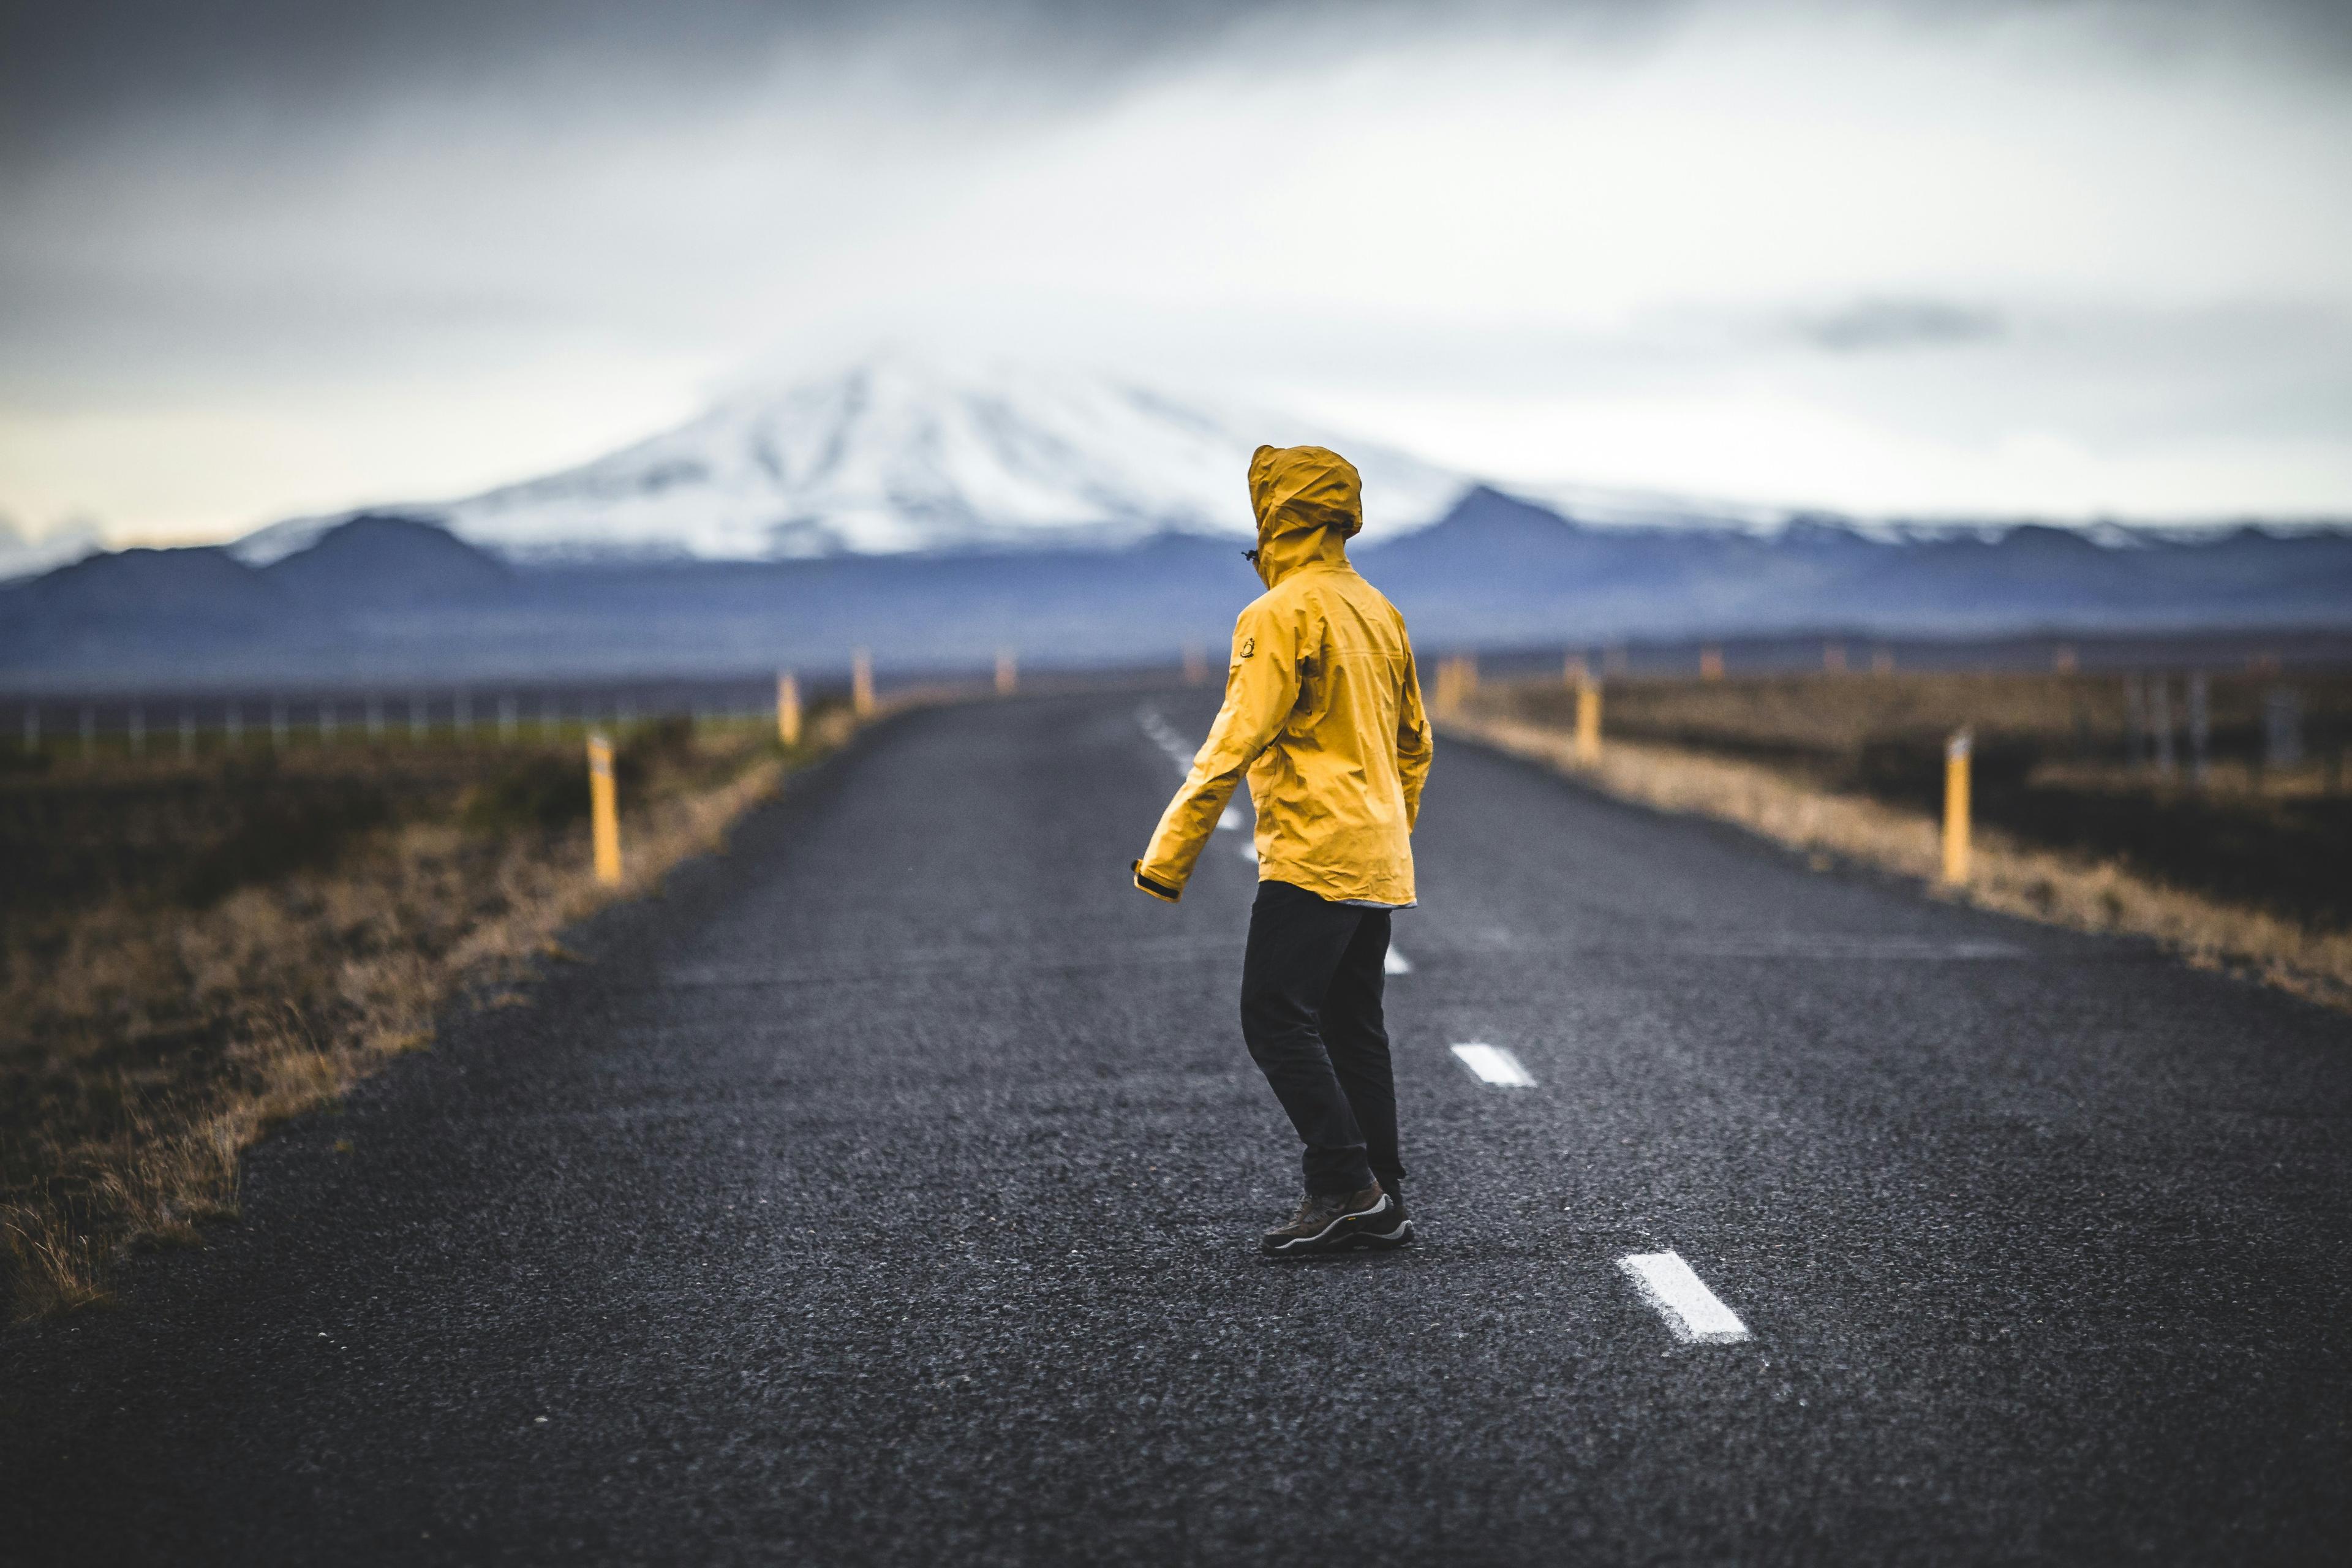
[(1415, 744), (1261, 689)]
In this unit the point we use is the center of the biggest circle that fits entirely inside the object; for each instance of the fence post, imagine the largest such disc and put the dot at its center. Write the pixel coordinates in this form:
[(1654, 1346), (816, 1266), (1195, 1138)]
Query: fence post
[(603, 809), (1956, 809), (2200, 730), (1196, 664), (1710, 663), (2159, 721), (788, 708), (2282, 727), (1588, 722), (1008, 672), (861, 683)]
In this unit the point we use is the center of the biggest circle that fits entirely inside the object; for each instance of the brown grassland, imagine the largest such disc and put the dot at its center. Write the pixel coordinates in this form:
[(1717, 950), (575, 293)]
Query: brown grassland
[(193, 951), (2240, 868)]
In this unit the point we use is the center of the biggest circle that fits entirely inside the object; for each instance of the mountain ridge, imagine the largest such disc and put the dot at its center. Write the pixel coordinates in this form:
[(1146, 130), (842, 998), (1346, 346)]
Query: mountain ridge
[(896, 454), (385, 597)]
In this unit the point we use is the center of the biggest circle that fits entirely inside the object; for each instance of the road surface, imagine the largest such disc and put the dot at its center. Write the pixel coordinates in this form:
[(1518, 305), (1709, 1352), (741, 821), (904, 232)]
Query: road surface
[(888, 1192)]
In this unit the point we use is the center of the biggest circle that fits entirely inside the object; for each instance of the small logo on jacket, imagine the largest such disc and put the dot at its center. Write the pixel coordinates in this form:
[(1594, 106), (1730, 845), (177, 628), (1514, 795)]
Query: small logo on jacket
[(1249, 646)]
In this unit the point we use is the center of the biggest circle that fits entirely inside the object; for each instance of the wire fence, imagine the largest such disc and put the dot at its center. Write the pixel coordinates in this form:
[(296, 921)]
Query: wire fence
[(194, 726)]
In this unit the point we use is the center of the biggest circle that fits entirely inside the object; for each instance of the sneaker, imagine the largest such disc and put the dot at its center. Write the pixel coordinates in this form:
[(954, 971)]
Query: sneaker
[(1332, 1221), (1395, 1231)]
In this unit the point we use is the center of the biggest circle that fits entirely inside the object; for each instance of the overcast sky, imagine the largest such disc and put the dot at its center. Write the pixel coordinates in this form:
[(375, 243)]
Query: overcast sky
[(2069, 260)]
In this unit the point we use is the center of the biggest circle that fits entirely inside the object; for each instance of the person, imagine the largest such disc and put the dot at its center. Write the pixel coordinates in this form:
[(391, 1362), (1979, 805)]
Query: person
[(1323, 710)]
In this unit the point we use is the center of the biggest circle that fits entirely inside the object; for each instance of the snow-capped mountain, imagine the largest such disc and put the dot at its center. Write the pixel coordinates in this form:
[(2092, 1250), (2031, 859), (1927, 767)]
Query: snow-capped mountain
[(896, 454), (22, 556)]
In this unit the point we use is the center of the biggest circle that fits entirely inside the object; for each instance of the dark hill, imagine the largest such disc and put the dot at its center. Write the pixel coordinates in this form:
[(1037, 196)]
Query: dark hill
[(126, 608), (377, 560)]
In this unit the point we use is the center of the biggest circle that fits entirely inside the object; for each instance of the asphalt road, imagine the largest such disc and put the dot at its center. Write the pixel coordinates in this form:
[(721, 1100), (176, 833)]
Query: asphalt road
[(887, 1192)]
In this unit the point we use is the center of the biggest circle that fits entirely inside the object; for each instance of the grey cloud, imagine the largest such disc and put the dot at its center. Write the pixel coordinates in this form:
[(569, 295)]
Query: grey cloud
[(70, 70), (1874, 325), (66, 68)]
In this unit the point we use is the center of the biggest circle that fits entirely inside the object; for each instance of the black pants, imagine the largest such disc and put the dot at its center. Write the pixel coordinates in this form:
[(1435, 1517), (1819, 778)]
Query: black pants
[(1311, 989)]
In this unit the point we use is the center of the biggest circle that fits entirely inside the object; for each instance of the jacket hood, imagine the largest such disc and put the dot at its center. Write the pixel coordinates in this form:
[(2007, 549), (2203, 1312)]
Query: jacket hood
[(1310, 501)]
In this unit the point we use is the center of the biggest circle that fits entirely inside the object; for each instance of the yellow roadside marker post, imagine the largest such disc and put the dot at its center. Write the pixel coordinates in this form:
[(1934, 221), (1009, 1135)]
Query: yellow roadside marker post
[(1956, 810), (1449, 686), (788, 708), (602, 810), (1008, 672), (1588, 722), (861, 683)]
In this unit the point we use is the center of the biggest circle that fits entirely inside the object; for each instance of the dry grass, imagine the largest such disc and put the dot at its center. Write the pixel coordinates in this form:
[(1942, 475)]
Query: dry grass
[(2038, 883), (144, 1043), (1828, 721)]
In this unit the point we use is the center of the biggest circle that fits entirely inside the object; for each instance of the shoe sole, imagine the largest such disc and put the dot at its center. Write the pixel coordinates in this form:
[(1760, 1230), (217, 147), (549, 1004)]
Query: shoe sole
[(1345, 1234)]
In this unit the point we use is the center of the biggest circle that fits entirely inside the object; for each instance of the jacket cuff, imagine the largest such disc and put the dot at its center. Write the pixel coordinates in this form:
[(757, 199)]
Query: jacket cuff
[(1158, 889)]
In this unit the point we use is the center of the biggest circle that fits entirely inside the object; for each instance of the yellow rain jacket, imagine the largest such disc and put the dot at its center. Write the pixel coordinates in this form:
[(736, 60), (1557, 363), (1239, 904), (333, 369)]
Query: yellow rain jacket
[(1322, 707)]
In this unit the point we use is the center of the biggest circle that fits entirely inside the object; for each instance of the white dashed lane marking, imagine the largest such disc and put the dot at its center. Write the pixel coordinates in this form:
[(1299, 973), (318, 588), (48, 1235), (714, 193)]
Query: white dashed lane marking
[(1693, 1313), (1396, 964), (1229, 820), (1495, 1065), (1166, 739)]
